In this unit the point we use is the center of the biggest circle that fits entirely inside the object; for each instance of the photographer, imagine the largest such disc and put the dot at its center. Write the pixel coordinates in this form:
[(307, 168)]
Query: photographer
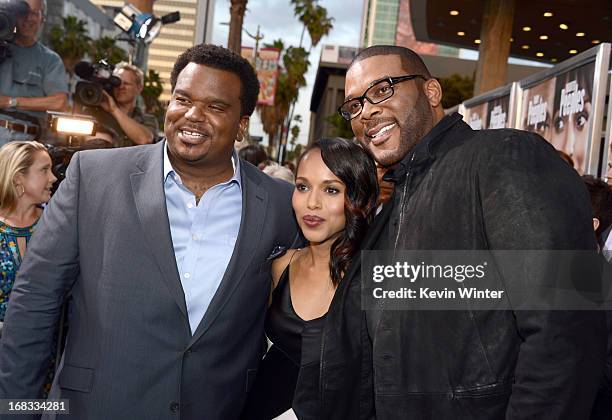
[(120, 112), (32, 77)]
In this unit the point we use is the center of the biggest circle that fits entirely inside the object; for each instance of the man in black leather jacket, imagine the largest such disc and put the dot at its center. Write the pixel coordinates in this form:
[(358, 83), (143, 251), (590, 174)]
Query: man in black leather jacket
[(456, 189)]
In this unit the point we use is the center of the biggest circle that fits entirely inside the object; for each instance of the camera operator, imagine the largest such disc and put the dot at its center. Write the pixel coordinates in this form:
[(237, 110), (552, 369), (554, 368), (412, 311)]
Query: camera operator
[(32, 77), (120, 111)]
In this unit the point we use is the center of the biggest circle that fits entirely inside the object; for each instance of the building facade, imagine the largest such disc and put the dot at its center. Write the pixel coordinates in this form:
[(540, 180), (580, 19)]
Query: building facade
[(98, 23), (389, 22)]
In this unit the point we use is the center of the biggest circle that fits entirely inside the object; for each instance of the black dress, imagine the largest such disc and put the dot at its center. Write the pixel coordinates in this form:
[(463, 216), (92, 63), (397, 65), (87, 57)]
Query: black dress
[(296, 343)]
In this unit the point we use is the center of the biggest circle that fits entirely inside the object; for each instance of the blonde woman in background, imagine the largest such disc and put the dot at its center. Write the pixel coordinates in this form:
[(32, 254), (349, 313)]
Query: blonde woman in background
[(25, 184), (276, 171)]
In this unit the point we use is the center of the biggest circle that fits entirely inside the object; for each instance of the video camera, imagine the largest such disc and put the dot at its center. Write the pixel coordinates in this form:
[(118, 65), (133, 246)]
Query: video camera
[(9, 11), (98, 78)]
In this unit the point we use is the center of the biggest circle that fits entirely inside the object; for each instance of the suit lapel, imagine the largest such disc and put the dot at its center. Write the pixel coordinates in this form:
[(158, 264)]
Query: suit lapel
[(150, 199), (254, 202)]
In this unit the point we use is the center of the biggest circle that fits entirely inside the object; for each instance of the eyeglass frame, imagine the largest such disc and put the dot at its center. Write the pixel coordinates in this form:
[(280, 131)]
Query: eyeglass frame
[(392, 82)]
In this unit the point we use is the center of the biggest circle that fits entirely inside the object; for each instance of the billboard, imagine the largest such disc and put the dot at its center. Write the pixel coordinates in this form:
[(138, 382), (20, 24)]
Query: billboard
[(537, 111), (266, 66), (491, 110), (565, 104), (606, 171)]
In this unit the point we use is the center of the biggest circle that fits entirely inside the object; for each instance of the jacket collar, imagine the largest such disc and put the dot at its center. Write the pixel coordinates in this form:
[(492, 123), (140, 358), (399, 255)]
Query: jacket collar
[(424, 150)]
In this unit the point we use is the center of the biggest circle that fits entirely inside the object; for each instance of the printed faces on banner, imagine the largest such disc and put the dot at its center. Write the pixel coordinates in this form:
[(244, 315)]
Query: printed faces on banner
[(492, 114), (266, 66), (558, 109)]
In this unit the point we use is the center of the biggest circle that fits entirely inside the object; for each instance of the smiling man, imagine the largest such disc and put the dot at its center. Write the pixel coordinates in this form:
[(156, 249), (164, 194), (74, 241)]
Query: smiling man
[(166, 250), (456, 189)]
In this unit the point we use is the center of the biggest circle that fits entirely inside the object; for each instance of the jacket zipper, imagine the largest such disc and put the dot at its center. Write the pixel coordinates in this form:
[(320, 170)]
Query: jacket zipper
[(322, 363), (402, 202)]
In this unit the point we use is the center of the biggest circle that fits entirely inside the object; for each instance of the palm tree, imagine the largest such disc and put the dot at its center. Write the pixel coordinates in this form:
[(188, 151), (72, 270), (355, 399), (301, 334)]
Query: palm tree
[(70, 41), (271, 118), (315, 20), (318, 24), (277, 119), (290, 80), (106, 48), (151, 92), (237, 9)]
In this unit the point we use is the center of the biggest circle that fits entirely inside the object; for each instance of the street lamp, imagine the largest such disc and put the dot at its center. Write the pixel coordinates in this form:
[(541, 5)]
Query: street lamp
[(257, 37)]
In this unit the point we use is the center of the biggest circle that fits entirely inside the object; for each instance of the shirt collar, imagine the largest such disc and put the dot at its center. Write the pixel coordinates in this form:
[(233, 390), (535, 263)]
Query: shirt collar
[(169, 171)]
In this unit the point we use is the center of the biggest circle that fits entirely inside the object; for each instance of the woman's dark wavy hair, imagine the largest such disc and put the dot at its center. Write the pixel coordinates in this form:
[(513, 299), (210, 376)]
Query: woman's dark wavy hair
[(355, 167)]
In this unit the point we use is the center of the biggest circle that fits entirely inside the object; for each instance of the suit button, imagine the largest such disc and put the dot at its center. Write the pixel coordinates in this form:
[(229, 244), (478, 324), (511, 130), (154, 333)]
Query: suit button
[(174, 407), (188, 352)]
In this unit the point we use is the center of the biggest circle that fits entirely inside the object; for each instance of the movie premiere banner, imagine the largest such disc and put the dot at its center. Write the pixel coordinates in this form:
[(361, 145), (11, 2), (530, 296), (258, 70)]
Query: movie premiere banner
[(491, 110), (565, 105), (266, 66), (476, 116), (606, 171)]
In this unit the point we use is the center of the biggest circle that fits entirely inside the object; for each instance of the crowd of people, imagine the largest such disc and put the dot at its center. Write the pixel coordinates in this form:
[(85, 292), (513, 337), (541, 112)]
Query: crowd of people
[(179, 259)]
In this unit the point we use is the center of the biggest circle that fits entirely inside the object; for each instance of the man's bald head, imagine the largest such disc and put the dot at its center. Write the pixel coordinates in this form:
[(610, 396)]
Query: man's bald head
[(411, 61)]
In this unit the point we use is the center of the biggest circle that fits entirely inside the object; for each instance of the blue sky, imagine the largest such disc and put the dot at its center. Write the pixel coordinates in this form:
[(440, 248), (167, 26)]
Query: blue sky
[(277, 21)]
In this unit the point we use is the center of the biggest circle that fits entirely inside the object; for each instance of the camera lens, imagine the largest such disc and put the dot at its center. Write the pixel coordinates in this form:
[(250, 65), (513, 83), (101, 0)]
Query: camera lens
[(89, 93), (6, 25)]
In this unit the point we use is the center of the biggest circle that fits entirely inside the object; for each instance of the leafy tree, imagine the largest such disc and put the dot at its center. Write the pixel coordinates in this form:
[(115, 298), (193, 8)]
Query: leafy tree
[(294, 155), (456, 89), (70, 41), (151, 92), (295, 130), (106, 48), (340, 126)]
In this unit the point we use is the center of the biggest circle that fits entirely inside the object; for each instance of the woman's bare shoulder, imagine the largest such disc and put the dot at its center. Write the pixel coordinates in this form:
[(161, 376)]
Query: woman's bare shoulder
[(280, 264)]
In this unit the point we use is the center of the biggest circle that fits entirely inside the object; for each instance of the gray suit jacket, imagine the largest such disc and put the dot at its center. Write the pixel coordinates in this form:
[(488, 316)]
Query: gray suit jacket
[(105, 238)]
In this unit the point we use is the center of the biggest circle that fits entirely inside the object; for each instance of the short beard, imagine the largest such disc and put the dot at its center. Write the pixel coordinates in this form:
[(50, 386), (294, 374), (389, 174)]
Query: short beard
[(417, 124)]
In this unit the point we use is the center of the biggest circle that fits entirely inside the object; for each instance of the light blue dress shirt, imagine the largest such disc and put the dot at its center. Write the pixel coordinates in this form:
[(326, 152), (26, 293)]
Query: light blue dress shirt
[(203, 235)]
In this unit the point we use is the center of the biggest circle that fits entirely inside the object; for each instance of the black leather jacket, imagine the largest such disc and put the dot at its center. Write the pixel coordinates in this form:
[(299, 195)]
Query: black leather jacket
[(469, 190)]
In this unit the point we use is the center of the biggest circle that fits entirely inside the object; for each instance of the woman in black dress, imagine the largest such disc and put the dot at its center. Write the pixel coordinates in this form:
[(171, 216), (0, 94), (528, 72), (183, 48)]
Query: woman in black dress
[(334, 202)]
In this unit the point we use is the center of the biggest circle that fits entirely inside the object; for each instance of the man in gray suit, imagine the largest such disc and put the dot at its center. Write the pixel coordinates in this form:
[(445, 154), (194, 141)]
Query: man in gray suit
[(166, 250)]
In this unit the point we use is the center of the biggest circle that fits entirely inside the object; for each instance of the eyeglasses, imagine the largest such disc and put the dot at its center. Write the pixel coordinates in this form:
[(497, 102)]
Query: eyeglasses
[(379, 91)]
